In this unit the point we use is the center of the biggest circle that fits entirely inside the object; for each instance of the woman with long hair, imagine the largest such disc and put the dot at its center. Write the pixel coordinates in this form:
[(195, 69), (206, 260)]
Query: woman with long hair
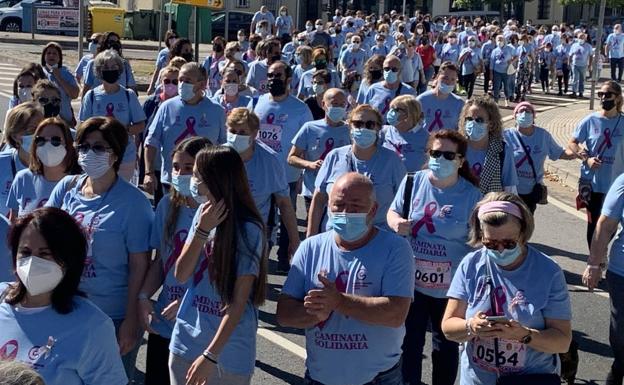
[(225, 259)]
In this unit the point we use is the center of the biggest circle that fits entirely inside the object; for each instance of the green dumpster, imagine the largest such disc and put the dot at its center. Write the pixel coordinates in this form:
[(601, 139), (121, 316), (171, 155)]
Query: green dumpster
[(142, 24)]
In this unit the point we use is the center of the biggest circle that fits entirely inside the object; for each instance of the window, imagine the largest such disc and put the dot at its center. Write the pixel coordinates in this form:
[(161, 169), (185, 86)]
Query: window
[(242, 3), (543, 9)]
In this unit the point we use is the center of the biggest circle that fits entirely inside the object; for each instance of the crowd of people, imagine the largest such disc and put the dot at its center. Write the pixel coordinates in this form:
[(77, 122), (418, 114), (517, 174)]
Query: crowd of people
[(123, 218)]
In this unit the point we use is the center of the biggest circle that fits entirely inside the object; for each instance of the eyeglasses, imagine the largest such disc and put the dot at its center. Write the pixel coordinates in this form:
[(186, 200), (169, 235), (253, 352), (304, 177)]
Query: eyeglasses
[(54, 101), (274, 75), (478, 120), (55, 141), (369, 124), (607, 94), (97, 148), (494, 244), (448, 155), (393, 69), (171, 81)]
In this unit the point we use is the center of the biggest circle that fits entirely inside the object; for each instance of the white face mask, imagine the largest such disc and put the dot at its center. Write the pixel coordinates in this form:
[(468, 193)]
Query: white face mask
[(25, 94), (238, 55), (94, 165), (38, 275), (51, 156), (230, 89), (240, 143)]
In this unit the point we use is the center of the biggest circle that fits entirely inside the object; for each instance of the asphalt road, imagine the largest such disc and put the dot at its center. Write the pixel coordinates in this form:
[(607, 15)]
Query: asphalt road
[(559, 233)]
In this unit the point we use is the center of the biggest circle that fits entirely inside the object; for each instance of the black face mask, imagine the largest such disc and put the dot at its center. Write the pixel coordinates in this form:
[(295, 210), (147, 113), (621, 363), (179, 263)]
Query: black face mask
[(338, 30), (607, 105), (188, 57), (277, 87), (275, 58), (51, 110), (110, 76), (376, 75), (115, 45), (217, 48), (320, 65)]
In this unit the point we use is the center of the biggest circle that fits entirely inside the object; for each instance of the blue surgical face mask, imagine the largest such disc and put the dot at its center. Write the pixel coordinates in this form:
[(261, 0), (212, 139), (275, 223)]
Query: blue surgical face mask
[(524, 119), (240, 143), (186, 91), (182, 184), (475, 130), (442, 168), (392, 117), (336, 114), (298, 59), (390, 76), (92, 48), (506, 257), (349, 226), (318, 89), (194, 189), (446, 88), (363, 137), (27, 142)]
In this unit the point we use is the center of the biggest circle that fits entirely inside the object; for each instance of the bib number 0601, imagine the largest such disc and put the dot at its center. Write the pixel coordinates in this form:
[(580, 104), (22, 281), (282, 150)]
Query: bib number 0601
[(429, 277)]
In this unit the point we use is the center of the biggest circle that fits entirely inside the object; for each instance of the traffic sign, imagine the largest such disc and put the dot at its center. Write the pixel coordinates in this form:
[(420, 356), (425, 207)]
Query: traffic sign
[(217, 5)]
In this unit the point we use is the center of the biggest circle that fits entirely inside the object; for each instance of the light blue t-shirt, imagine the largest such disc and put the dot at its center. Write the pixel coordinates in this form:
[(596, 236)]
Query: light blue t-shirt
[(540, 145), (257, 76), (296, 78), (362, 90), (440, 229), (440, 114), (9, 160), (212, 66), (471, 60), (161, 59), (580, 54), (169, 250), (385, 169), (379, 96), (176, 120), (602, 139), (613, 207), (29, 191), (201, 311), (283, 24), (279, 123), (241, 101), (305, 83), (500, 57), (259, 16), (615, 43), (486, 51), (317, 139), (84, 350), (123, 105), (66, 109), (476, 162), (450, 52), (353, 60), (562, 55), (266, 176), (82, 65), (126, 79), (532, 293), (409, 146), (6, 259), (344, 350), (117, 224)]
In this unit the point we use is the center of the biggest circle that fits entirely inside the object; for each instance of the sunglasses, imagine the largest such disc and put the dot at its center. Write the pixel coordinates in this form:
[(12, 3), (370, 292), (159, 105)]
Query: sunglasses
[(448, 155), (369, 124), (393, 69), (274, 76), (478, 120), (55, 101), (171, 81), (55, 141), (97, 148), (607, 94), (494, 244)]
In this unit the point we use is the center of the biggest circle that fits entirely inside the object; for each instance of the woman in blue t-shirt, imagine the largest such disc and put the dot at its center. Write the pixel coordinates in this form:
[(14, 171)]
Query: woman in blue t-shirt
[(224, 261), (45, 321), (434, 217), (52, 157), (172, 223), (508, 302), (63, 79)]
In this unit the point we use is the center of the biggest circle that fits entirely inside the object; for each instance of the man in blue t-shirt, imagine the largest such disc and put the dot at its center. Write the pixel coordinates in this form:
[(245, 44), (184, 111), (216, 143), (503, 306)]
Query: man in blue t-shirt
[(350, 289), (614, 49)]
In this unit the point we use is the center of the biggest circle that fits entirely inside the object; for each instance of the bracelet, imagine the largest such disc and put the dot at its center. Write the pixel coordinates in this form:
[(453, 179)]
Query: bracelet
[(210, 357), (468, 328), (201, 234)]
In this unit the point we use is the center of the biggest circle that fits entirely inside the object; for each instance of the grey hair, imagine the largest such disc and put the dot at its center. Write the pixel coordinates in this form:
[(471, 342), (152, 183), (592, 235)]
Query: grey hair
[(105, 57), (17, 373)]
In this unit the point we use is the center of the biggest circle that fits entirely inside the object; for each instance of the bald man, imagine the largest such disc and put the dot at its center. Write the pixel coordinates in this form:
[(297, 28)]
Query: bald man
[(317, 138), (380, 94), (350, 289)]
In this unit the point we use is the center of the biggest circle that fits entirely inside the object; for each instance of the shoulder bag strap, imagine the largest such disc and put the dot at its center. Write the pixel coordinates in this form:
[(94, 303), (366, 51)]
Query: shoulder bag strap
[(407, 195)]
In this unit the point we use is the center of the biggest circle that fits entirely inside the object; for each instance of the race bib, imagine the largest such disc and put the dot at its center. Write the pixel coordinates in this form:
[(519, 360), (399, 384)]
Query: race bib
[(263, 87), (271, 135), (433, 275), (508, 358)]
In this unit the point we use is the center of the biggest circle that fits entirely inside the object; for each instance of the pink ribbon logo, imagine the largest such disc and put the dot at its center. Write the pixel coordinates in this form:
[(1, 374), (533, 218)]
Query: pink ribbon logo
[(341, 285), (437, 121), (426, 220), (189, 131), (110, 108), (353, 64), (527, 153), (607, 142), (204, 264), (178, 244), (500, 299), (329, 145), (476, 169), (386, 106), (8, 351), (270, 118)]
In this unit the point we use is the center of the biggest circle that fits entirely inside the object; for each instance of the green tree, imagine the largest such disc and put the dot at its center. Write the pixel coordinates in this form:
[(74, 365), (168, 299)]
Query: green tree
[(610, 3)]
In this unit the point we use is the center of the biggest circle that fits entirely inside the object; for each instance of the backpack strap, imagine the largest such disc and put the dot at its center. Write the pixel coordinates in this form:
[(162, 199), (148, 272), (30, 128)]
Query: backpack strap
[(13, 167), (407, 195)]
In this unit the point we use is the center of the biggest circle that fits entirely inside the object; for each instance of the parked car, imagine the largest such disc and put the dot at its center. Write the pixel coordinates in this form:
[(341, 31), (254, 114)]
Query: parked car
[(11, 17), (237, 20)]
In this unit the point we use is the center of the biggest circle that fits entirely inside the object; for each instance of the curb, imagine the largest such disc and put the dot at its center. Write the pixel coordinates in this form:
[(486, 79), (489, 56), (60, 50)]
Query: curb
[(65, 44)]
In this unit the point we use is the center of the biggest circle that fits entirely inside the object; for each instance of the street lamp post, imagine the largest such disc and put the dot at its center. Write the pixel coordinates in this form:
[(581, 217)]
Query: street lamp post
[(595, 69)]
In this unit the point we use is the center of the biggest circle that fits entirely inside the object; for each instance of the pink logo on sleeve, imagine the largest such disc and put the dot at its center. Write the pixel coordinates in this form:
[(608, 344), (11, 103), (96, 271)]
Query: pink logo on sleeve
[(9, 350)]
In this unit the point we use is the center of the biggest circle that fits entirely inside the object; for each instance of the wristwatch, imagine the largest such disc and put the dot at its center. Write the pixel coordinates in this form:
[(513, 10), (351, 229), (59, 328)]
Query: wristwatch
[(527, 339)]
